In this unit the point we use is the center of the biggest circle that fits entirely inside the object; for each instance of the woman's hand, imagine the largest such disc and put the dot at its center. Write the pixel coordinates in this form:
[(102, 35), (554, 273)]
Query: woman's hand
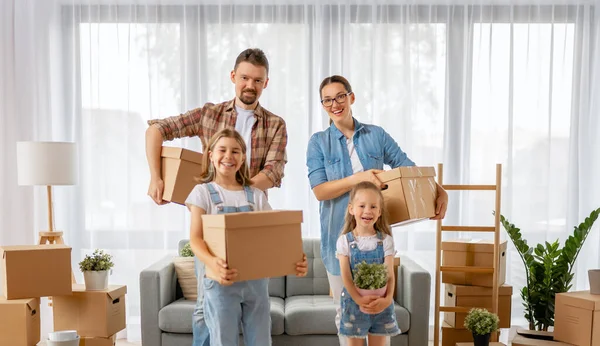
[(302, 267), (369, 175), (441, 204), (220, 272)]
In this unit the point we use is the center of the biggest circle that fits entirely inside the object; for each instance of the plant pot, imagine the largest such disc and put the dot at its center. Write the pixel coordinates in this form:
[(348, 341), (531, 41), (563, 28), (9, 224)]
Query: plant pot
[(380, 292), (96, 280), (481, 340), (594, 276)]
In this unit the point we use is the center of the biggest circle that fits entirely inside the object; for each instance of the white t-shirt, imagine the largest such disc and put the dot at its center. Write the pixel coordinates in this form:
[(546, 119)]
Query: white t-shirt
[(367, 243), (200, 197), (354, 160), (243, 124)]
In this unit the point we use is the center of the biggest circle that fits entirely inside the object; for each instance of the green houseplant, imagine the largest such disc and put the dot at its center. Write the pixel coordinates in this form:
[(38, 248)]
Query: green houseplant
[(548, 268), (370, 279), (95, 270), (482, 324)]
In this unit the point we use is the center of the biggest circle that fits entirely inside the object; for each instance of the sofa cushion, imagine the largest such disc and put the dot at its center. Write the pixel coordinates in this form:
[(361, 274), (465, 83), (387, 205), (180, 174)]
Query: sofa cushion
[(186, 276), (177, 316), (316, 315), (277, 287), (310, 314), (315, 282)]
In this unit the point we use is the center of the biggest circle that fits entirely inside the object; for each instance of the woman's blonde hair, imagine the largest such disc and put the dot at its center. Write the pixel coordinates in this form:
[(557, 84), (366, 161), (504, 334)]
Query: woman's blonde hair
[(382, 224), (209, 173)]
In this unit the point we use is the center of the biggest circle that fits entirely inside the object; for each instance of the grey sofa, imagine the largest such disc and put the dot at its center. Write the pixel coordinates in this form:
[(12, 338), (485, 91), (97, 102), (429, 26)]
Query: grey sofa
[(302, 312)]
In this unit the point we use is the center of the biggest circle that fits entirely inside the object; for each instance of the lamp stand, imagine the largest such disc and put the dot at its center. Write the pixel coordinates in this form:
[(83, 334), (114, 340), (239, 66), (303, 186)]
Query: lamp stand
[(52, 236)]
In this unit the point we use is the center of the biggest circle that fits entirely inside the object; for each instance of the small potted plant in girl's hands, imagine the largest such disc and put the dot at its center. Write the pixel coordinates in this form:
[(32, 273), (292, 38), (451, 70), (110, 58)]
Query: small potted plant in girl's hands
[(371, 279), (95, 270), (482, 324)]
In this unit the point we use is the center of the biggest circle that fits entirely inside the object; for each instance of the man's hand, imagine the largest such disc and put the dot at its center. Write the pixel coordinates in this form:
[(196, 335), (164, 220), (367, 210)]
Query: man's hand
[(155, 191), (302, 267), (219, 271)]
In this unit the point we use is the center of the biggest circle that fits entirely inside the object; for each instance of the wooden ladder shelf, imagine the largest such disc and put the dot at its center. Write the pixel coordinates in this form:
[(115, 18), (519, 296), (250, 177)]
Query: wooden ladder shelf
[(466, 269)]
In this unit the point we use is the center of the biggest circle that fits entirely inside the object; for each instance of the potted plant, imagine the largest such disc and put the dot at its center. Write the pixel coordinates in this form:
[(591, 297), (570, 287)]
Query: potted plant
[(370, 279), (548, 269), (95, 270), (186, 272), (482, 324)]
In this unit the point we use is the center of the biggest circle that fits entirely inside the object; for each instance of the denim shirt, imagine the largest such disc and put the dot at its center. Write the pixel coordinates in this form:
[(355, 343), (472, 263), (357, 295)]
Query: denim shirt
[(328, 159)]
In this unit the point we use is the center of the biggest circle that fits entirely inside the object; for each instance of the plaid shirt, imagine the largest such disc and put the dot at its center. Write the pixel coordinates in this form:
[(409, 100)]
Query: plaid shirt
[(269, 135)]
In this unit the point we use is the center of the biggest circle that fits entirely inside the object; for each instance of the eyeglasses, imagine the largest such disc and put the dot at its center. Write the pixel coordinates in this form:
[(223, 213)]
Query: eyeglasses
[(341, 98)]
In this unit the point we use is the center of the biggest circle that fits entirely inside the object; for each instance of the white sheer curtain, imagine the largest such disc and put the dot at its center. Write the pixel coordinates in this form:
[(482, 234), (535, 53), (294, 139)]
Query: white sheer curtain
[(469, 84)]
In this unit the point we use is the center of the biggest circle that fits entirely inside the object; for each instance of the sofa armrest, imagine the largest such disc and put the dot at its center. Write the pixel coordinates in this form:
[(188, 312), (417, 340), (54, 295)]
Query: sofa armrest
[(414, 291), (157, 290)]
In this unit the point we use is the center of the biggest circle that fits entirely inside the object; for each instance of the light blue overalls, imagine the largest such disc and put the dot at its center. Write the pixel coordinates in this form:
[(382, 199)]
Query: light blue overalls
[(217, 318), (355, 323)]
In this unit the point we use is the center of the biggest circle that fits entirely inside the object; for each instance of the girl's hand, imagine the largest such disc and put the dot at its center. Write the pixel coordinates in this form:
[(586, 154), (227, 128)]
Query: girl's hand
[(365, 301), (377, 305), (224, 275), (302, 267)]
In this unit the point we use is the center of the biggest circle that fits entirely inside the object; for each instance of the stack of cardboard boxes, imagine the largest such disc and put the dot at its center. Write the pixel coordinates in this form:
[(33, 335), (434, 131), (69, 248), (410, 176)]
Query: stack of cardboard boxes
[(29, 273), (472, 290), (32, 272), (97, 316)]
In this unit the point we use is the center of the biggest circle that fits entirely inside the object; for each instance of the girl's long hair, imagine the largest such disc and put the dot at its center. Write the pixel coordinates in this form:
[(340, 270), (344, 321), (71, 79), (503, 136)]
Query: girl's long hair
[(209, 173), (382, 224)]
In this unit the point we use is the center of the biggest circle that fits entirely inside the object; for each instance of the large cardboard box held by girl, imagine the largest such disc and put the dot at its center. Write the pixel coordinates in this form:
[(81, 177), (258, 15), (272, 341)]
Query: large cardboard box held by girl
[(258, 244), (410, 194), (179, 169)]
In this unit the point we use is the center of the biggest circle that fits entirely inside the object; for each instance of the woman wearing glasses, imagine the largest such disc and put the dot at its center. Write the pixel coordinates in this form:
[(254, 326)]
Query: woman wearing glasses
[(338, 158)]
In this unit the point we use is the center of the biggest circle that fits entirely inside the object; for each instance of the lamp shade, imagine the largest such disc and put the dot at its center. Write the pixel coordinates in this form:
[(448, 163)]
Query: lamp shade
[(46, 163)]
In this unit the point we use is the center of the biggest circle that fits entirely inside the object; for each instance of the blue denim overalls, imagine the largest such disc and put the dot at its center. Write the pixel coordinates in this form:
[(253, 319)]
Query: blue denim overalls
[(355, 323), (217, 318)]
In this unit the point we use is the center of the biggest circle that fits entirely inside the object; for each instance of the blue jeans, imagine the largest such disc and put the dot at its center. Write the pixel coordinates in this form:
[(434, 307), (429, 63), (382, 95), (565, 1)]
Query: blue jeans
[(226, 306), (199, 328)]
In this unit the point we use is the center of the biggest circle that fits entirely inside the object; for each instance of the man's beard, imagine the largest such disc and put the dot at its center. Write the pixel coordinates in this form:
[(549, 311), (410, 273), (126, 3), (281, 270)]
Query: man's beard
[(248, 97)]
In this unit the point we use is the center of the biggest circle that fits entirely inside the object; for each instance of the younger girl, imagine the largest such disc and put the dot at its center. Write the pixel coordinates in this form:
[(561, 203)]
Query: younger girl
[(366, 237), (226, 189)]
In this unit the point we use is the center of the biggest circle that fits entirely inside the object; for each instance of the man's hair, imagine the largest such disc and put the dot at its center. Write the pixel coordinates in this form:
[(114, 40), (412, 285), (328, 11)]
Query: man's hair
[(254, 56)]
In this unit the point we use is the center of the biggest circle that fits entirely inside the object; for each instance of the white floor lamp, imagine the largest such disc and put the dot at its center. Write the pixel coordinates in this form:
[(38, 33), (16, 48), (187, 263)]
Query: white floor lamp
[(47, 163)]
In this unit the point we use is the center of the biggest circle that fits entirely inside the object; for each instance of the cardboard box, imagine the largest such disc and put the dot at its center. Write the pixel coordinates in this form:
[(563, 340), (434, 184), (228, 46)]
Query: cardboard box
[(19, 322), (577, 318), (472, 344), (180, 167), (91, 313), (452, 336), (410, 194), (520, 340), (33, 271), (91, 341), (472, 252), (476, 297), (258, 244)]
